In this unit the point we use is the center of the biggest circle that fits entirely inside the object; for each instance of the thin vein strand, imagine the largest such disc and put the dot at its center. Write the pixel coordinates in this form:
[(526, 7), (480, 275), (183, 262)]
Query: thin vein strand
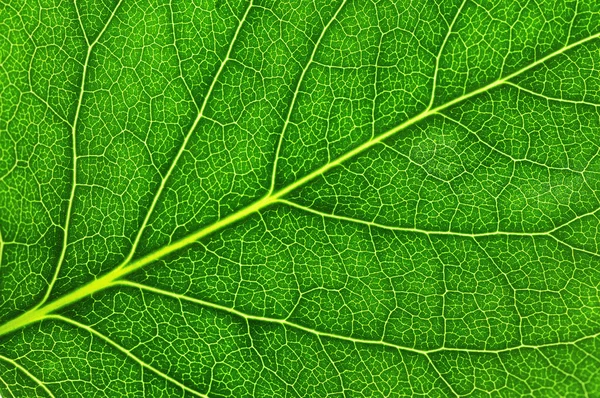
[(74, 125), (186, 140), (430, 232), (553, 99), (296, 93), (28, 374), (125, 351), (439, 54), (382, 341)]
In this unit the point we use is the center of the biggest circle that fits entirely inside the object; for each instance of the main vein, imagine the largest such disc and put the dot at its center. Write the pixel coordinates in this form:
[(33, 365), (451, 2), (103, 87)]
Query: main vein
[(109, 279)]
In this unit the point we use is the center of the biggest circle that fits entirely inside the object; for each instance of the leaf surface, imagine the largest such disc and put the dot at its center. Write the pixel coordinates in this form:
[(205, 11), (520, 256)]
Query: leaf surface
[(299, 198)]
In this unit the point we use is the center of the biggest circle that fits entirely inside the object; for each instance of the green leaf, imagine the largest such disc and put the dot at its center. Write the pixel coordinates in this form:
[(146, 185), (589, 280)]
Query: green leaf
[(294, 198)]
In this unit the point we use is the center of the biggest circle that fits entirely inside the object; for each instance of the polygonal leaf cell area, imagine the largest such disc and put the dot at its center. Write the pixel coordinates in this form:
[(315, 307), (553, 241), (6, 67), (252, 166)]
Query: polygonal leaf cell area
[(299, 198)]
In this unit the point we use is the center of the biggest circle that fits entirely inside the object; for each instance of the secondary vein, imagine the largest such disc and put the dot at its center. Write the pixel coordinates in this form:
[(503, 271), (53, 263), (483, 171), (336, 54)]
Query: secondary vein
[(125, 351), (90, 47)]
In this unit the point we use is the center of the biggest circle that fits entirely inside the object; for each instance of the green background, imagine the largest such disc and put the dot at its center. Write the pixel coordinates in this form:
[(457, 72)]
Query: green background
[(300, 198)]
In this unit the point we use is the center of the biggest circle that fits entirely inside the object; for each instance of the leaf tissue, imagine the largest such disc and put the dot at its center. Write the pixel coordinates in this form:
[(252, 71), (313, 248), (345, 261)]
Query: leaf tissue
[(299, 198)]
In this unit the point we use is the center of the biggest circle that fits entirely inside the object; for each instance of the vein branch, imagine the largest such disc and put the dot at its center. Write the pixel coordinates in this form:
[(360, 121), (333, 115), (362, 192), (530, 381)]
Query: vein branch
[(502, 153), (554, 99), (442, 378), (28, 374), (430, 232), (296, 94), (125, 351), (293, 325), (187, 137), (50, 107), (74, 125), (439, 55)]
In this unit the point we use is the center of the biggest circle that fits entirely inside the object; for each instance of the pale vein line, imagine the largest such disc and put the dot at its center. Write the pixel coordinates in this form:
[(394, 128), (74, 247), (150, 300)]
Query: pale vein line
[(567, 375), (79, 20), (296, 94), (439, 55), (179, 63), (444, 294), (587, 354), (187, 138), (32, 377), (578, 249), (508, 374), (375, 91), (108, 279), (518, 347), (74, 151), (498, 151), (49, 107), (547, 98), (265, 367), (515, 302), (253, 348), (575, 15), (11, 169), (8, 391), (430, 232), (446, 382), (125, 351), (243, 315), (1, 250), (296, 326), (340, 378), (582, 173)]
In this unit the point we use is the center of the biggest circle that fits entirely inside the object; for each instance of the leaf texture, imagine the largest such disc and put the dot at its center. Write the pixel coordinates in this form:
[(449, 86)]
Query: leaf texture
[(299, 198)]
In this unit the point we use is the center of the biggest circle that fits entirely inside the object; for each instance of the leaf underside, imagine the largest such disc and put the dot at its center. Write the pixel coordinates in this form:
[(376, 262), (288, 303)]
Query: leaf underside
[(294, 198)]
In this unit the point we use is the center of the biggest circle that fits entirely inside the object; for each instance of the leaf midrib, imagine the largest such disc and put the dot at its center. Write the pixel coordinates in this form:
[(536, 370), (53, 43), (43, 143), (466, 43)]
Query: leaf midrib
[(109, 279)]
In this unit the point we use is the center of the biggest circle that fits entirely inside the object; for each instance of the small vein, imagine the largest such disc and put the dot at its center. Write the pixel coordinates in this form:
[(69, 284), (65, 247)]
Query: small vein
[(172, 15), (74, 153), (339, 374), (28, 373), (430, 232), (296, 92), (50, 108), (439, 55), (502, 153), (125, 351), (566, 374), (80, 21), (572, 23), (588, 354), (5, 384), (1, 250), (578, 249), (509, 282), (548, 98), (265, 367), (107, 24), (183, 146), (296, 326), (243, 315), (442, 378)]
